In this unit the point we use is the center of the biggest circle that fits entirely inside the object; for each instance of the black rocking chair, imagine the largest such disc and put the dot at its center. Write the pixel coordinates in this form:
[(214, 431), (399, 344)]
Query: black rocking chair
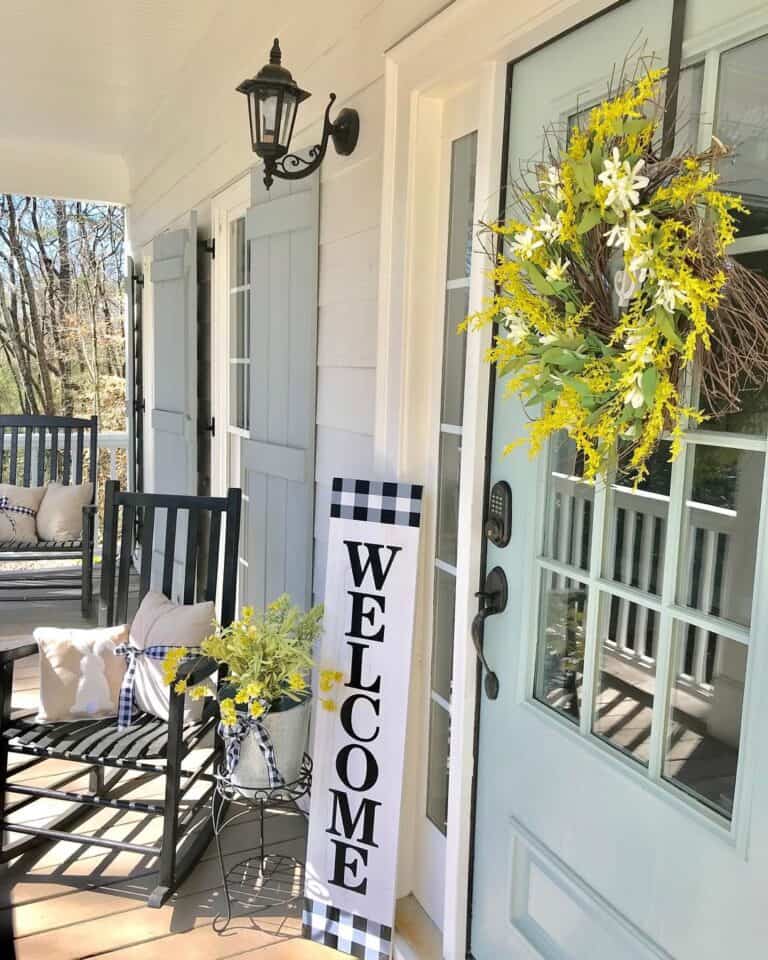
[(35, 450), (149, 745)]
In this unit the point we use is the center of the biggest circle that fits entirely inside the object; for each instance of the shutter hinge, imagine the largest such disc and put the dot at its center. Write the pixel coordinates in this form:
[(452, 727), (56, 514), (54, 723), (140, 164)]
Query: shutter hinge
[(209, 246)]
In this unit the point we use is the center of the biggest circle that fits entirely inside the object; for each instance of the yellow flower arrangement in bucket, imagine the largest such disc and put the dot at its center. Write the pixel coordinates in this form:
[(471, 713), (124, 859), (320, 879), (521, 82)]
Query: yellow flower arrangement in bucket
[(268, 659)]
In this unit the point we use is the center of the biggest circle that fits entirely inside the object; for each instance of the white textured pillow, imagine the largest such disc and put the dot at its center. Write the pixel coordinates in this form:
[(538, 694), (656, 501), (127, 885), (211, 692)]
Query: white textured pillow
[(161, 623), (19, 507), (60, 516), (80, 675)]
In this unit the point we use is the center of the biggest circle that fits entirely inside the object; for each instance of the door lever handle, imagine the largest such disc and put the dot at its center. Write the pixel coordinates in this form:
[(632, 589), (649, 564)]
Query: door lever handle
[(494, 598)]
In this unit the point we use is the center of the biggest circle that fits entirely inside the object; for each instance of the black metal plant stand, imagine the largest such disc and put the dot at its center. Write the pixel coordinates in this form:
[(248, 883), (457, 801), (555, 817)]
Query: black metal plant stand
[(267, 880)]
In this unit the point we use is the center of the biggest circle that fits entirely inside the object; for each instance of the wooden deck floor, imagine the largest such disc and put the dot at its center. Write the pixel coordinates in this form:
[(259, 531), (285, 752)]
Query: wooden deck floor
[(72, 901)]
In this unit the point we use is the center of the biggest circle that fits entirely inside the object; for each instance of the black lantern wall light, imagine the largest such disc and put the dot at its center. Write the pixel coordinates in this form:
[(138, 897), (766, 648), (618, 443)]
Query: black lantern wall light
[(273, 101)]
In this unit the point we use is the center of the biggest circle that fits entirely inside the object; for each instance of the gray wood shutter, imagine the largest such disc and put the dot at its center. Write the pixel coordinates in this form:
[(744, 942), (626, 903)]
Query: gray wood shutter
[(278, 458), (173, 417)]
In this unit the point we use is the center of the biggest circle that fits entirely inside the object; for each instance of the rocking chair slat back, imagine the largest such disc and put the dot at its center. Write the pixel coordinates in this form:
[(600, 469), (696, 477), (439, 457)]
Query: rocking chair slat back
[(183, 515), (35, 450), (214, 543), (148, 537), (190, 565)]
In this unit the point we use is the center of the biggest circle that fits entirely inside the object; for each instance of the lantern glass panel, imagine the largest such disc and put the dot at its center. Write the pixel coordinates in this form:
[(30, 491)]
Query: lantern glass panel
[(268, 117), (290, 102)]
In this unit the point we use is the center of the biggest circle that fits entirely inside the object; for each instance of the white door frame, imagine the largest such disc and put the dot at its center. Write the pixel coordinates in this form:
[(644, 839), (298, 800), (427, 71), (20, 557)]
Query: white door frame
[(472, 41), (231, 203)]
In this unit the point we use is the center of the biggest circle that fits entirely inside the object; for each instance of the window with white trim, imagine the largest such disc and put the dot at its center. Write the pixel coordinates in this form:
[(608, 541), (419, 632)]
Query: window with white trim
[(239, 325), (460, 230), (646, 597)]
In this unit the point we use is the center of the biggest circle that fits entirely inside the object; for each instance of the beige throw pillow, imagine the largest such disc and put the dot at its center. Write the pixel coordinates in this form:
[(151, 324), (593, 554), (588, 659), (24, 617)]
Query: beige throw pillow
[(19, 507), (161, 623), (80, 674), (60, 516)]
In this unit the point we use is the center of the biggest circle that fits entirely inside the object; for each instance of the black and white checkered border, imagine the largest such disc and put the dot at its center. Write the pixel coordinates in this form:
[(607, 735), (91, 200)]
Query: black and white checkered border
[(346, 932), (377, 501)]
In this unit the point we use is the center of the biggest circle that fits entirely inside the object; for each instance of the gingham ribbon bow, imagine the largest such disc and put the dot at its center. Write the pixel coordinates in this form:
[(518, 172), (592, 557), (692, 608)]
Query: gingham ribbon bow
[(132, 654), (233, 738), (9, 509)]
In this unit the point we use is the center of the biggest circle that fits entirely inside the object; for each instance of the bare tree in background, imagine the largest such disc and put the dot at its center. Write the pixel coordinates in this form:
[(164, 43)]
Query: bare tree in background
[(61, 308)]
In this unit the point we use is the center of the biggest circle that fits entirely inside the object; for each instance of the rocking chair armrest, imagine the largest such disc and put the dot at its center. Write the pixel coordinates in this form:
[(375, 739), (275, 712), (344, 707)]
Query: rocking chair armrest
[(195, 671), (18, 653)]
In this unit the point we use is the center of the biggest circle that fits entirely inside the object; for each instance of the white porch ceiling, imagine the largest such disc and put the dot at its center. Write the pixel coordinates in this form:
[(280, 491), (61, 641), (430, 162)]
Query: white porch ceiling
[(90, 73)]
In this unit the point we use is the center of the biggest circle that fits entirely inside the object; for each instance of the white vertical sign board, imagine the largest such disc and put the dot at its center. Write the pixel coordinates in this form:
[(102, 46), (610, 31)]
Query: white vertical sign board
[(359, 743)]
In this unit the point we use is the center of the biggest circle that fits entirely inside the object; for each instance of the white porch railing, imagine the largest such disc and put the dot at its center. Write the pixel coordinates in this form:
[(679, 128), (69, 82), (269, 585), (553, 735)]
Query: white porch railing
[(112, 442), (634, 556)]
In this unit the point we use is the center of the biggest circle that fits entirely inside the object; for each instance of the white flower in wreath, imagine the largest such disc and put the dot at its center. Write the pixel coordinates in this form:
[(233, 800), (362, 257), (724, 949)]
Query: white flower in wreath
[(669, 295), (639, 266), (525, 243), (551, 184), (516, 329), (549, 227), (618, 236), (623, 182), (625, 286), (556, 270), (548, 339), (636, 221), (632, 343), (635, 397)]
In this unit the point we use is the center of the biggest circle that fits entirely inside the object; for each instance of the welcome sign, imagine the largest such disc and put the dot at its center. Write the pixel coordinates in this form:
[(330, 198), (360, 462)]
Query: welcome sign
[(359, 732)]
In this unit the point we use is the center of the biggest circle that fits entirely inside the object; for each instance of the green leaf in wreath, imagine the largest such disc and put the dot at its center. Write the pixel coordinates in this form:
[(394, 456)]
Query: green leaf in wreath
[(666, 323), (590, 218), (648, 384), (579, 386), (563, 358), (597, 158), (538, 279), (584, 176), (635, 125)]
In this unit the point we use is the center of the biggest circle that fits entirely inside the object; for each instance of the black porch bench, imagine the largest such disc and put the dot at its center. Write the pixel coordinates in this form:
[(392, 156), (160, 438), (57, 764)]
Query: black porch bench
[(35, 450)]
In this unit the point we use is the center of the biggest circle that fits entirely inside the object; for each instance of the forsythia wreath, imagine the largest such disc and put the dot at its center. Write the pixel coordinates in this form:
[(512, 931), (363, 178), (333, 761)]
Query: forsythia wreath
[(613, 279)]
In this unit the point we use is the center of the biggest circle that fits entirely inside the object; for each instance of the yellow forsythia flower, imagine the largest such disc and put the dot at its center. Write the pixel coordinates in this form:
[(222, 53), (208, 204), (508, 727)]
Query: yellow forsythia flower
[(328, 678), (256, 709), (248, 613), (180, 686), (228, 712), (241, 696), (296, 682), (254, 690), (170, 664), (199, 692)]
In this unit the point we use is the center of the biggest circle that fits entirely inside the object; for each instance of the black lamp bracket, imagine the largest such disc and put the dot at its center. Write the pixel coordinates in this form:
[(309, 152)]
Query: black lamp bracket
[(344, 132)]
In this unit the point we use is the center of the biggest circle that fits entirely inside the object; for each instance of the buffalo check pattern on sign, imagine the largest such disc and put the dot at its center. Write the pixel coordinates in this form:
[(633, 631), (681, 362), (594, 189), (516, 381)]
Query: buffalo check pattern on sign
[(377, 501), (346, 932)]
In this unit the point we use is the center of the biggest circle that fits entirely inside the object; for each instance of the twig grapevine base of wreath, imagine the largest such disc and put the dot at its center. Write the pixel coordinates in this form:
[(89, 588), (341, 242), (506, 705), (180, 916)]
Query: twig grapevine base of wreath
[(614, 279)]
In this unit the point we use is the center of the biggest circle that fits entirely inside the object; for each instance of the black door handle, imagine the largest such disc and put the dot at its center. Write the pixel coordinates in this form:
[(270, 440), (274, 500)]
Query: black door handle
[(494, 597)]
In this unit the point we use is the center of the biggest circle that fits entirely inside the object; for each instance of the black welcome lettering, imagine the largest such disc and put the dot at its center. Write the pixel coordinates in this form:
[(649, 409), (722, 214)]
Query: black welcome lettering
[(349, 824), (341, 865), (356, 670), (378, 572), (371, 767), (345, 715), (359, 613)]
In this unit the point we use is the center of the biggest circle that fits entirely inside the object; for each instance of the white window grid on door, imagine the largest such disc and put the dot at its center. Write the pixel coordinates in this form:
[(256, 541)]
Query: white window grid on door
[(579, 503), (457, 279), (238, 419)]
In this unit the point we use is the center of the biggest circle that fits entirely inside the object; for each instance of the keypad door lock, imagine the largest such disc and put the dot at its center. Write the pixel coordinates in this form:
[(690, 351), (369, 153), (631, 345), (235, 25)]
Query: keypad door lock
[(498, 521)]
